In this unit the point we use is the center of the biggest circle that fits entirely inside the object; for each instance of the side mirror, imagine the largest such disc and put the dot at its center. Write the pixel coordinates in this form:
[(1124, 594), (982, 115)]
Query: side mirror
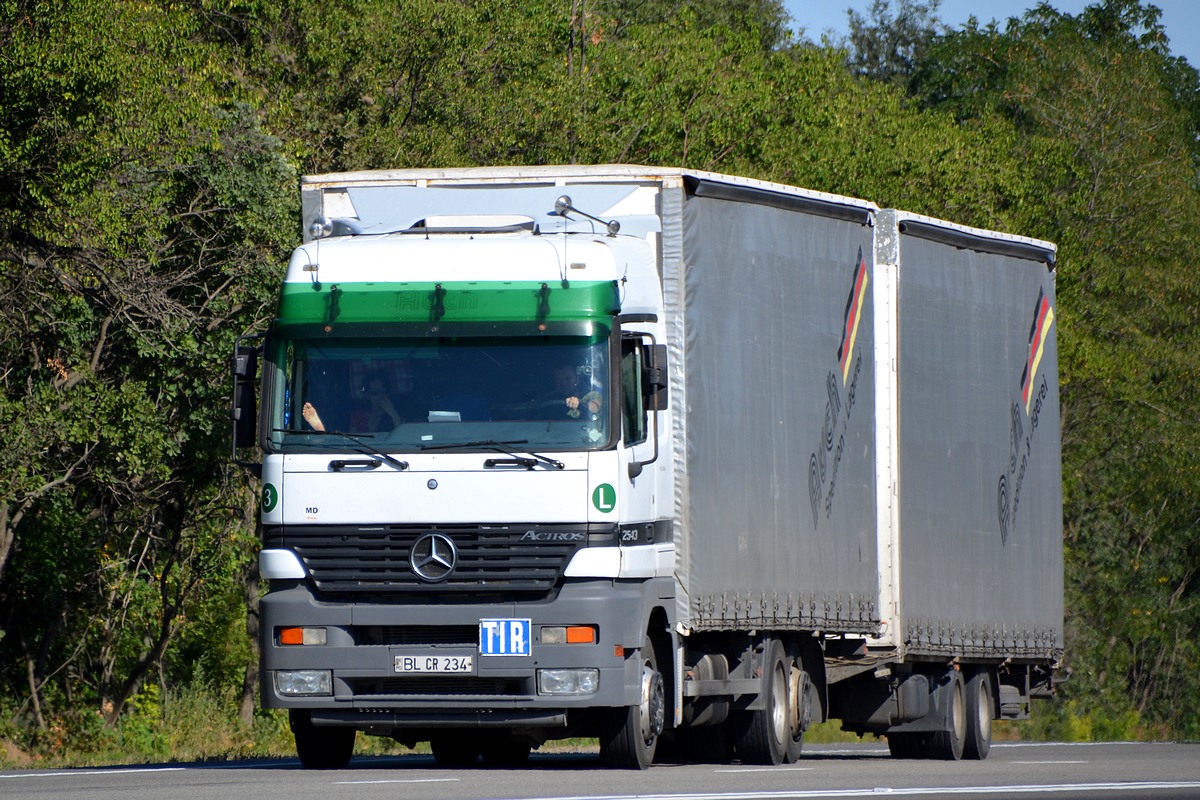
[(245, 400), (654, 395), (654, 377)]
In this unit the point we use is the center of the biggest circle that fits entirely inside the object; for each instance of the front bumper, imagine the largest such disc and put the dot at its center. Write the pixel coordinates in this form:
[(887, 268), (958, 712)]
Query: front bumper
[(364, 639)]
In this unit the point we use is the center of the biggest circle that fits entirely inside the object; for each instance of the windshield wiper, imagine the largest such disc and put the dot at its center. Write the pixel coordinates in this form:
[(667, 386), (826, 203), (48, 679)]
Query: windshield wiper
[(529, 461), (363, 447)]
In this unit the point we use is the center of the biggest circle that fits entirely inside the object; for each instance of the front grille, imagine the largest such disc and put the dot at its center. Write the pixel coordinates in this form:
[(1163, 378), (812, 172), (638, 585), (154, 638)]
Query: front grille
[(426, 685), (501, 560), (417, 634)]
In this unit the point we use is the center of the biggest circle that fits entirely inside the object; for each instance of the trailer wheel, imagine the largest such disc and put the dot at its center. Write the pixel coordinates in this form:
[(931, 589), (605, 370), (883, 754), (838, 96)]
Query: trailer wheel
[(979, 716), (632, 737), (802, 698), (763, 735), (455, 751), (947, 744), (321, 748)]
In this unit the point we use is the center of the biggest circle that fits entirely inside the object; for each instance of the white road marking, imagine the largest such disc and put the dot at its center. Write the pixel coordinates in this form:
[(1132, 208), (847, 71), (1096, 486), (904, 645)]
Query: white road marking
[(398, 780), (765, 769), (70, 773), (1133, 786), (1080, 744)]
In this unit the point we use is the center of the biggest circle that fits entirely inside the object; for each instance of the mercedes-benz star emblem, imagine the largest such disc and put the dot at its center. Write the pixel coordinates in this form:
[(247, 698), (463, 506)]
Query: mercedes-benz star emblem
[(433, 557)]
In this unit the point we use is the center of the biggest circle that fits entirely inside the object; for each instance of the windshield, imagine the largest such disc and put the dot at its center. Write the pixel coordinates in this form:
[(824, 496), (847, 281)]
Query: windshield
[(408, 394)]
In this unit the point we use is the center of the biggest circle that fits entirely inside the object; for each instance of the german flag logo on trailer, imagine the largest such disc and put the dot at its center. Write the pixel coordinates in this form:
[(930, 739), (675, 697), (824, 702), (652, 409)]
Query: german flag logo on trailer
[(1043, 318), (854, 304)]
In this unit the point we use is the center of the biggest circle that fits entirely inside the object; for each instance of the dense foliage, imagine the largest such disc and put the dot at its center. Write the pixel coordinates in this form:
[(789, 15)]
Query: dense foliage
[(148, 158)]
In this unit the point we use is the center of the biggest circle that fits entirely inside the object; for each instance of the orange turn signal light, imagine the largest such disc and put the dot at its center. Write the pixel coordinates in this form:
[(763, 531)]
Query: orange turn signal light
[(293, 636), (569, 634), (581, 634)]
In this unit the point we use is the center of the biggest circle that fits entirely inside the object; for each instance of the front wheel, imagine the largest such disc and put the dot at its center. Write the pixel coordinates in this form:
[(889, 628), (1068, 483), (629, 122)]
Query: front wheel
[(321, 748), (632, 736)]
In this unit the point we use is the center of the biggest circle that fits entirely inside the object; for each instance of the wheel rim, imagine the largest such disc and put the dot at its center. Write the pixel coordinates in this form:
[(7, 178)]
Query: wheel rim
[(779, 704), (651, 712), (959, 712), (983, 707), (798, 689)]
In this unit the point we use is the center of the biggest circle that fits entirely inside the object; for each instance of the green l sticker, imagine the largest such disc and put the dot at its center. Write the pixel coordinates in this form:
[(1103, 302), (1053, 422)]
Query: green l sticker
[(604, 498)]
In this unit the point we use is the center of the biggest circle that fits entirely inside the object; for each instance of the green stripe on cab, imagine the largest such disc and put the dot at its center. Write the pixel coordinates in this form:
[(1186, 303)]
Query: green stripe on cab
[(491, 301)]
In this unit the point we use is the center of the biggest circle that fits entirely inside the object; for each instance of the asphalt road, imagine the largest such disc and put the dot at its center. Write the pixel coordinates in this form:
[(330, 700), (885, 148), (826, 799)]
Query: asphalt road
[(1117, 771)]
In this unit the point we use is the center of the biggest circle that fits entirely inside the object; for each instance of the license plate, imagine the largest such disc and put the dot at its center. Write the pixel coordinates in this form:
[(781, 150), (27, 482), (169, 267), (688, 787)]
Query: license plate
[(437, 665)]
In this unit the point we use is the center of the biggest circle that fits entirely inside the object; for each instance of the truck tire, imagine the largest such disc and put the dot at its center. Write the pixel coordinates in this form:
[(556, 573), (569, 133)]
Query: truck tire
[(979, 716), (907, 745), (632, 735), (763, 735), (458, 750), (321, 748), (947, 744), (802, 699)]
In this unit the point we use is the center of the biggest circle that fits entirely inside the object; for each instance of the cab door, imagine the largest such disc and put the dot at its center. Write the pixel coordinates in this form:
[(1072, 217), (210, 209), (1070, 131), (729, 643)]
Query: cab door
[(643, 393)]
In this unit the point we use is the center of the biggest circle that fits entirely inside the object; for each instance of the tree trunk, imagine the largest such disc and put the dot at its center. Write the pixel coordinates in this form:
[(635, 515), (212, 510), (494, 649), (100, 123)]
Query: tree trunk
[(250, 586), (34, 693), (250, 681), (6, 536)]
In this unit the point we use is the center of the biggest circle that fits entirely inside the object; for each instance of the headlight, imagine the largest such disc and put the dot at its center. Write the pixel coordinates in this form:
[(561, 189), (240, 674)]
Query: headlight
[(568, 681), (304, 682)]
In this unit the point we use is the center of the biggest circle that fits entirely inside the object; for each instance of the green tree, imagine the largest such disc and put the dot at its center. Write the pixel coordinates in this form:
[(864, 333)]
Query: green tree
[(1106, 120), (887, 45), (456, 84), (149, 149), (144, 212)]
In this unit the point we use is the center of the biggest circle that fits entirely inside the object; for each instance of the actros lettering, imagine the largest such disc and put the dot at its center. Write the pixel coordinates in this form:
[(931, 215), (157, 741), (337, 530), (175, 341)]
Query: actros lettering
[(552, 536)]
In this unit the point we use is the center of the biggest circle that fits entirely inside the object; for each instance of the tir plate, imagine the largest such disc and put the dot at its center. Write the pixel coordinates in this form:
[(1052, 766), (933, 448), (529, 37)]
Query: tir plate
[(435, 664), (505, 637)]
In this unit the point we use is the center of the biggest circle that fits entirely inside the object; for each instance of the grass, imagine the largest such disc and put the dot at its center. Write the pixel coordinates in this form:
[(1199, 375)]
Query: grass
[(202, 724), (193, 725), (198, 724)]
